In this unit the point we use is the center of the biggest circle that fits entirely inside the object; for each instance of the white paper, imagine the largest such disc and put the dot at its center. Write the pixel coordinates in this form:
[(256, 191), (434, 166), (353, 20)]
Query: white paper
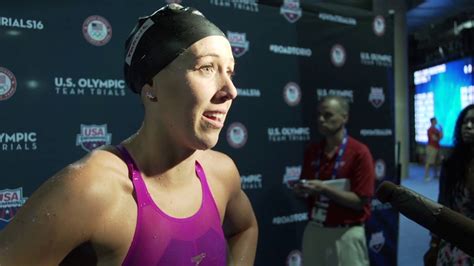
[(340, 183)]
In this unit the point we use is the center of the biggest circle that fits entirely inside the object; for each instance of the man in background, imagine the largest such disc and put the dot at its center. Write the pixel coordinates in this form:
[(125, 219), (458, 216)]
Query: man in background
[(432, 149), (338, 181)]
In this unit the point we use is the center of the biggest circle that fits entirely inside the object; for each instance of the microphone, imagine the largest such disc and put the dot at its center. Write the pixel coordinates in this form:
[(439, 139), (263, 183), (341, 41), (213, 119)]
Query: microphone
[(442, 221)]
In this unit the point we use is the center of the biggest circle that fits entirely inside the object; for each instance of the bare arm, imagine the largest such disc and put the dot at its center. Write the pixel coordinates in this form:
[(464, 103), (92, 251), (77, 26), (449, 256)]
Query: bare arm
[(240, 225), (362, 176), (59, 216), (345, 198), (241, 231)]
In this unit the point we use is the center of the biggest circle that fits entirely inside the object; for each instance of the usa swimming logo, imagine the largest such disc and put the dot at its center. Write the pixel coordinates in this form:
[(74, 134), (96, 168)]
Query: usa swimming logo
[(7, 84), (97, 30), (238, 42), (93, 136), (376, 96), (377, 241), (291, 10), (10, 202), (237, 135)]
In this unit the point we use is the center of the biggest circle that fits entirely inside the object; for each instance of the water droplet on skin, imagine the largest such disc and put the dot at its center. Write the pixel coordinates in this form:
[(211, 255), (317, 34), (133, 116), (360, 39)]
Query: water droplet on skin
[(155, 236)]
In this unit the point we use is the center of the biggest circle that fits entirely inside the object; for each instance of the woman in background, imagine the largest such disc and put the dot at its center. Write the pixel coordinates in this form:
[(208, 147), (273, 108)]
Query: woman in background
[(456, 189)]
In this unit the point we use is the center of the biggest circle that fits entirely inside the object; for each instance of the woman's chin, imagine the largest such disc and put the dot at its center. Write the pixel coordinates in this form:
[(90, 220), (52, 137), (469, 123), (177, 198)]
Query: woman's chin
[(206, 143)]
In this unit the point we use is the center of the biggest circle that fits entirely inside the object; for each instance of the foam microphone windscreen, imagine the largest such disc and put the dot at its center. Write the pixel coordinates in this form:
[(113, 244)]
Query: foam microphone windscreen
[(442, 221)]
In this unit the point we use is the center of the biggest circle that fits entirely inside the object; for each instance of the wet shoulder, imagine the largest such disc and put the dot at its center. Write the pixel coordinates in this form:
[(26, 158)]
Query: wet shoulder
[(216, 162), (220, 168), (100, 176)]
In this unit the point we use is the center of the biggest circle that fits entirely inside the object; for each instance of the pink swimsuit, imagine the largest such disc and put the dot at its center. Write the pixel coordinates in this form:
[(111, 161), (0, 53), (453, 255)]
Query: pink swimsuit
[(160, 239)]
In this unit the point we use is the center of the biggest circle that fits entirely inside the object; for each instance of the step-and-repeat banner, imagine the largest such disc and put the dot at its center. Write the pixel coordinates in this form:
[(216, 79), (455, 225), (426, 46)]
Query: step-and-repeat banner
[(62, 94)]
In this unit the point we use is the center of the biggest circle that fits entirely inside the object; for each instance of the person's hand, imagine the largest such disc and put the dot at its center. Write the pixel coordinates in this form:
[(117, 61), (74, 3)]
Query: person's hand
[(309, 187), (298, 188)]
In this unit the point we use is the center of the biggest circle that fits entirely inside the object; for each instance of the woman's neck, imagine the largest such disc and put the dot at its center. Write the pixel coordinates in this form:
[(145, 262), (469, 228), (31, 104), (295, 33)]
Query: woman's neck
[(156, 154)]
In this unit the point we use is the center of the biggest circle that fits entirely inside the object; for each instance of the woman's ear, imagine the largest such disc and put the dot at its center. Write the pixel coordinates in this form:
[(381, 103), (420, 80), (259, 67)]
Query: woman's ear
[(148, 92)]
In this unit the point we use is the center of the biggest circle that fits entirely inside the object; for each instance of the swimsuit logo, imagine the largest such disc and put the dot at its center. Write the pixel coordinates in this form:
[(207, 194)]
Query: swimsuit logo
[(237, 135), (93, 136), (10, 201), (378, 25), (198, 258), (380, 169), (239, 43), (7, 84), (292, 94), (295, 258), (291, 10), (376, 96), (97, 30), (338, 55), (377, 241)]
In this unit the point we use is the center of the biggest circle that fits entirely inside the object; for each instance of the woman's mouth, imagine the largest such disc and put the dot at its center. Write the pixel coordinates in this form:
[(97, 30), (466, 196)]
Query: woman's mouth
[(215, 118)]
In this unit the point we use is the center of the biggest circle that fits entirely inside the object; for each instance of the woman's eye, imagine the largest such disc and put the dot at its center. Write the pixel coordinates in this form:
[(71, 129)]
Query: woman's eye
[(231, 74), (208, 68)]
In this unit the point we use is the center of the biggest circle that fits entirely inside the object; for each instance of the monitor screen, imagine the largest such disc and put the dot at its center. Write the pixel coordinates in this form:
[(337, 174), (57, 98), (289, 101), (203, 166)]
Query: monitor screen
[(442, 91)]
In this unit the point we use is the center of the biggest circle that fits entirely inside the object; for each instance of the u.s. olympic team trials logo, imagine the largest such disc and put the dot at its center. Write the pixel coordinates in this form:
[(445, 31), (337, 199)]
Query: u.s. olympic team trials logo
[(97, 30), (338, 55), (376, 96), (292, 94), (378, 25), (295, 258), (377, 241), (7, 84), (93, 136), (291, 10), (236, 135), (238, 42), (10, 202)]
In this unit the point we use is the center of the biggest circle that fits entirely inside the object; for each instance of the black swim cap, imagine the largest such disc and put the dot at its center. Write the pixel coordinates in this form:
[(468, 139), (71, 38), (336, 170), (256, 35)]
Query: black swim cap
[(159, 38)]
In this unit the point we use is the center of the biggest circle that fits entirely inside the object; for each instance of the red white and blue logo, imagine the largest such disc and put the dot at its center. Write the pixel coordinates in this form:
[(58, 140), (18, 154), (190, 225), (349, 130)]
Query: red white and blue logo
[(376, 96), (97, 30), (238, 42), (295, 258), (378, 25), (10, 202), (237, 135), (338, 55), (291, 10), (7, 84), (380, 169), (377, 241), (292, 94), (93, 136)]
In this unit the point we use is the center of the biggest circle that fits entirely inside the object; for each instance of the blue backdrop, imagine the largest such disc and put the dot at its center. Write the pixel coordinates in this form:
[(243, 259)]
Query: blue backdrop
[(62, 94)]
